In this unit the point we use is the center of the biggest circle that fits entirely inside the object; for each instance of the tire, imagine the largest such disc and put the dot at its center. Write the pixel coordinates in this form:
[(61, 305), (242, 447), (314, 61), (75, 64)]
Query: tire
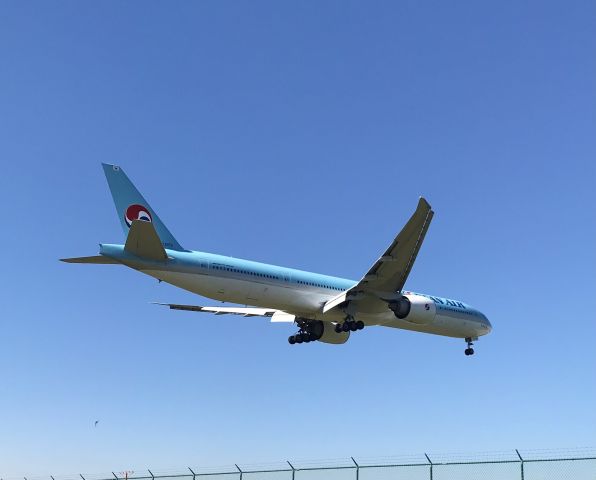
[(345, 327), (353, 326), (359, 324), (292, 340), (299, 338), (338, 328)]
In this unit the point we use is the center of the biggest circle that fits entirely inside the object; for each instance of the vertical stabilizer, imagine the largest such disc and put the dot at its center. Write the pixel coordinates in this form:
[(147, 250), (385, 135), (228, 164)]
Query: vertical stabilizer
[(131, 205)]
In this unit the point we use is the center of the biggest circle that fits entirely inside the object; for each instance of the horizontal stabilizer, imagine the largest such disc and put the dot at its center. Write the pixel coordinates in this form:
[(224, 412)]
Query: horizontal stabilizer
[(143, 241), (98, 259)]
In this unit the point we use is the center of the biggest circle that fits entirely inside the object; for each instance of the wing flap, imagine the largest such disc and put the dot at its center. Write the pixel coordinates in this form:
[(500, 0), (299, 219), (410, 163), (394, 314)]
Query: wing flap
[(276, 316)]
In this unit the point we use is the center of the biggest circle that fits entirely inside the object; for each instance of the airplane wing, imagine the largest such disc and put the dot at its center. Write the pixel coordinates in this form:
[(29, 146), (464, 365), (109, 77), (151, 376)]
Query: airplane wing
[(275, 315), (389, 273)]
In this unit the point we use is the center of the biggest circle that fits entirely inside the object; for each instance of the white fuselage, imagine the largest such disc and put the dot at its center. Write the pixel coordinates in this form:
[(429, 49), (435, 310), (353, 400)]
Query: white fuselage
[(297, 292)]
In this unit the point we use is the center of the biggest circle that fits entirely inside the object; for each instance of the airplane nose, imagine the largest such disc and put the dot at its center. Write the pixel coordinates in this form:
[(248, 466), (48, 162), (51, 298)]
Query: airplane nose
[(487, 323)]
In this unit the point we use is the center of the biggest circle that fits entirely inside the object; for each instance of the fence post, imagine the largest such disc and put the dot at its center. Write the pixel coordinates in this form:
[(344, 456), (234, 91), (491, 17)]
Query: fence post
[(431, 466), (293, 469), (239, 471), (193, 473), (521, 463), (357, 469)]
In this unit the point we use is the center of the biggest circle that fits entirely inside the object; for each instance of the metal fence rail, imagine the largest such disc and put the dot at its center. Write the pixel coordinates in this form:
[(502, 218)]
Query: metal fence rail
[(512, 465)]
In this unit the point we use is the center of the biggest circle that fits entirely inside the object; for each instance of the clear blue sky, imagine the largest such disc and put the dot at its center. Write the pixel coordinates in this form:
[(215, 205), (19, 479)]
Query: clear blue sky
[(298, 134)]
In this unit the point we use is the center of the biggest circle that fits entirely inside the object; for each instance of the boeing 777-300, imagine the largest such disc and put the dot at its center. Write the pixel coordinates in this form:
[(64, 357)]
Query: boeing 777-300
[(324, 308)]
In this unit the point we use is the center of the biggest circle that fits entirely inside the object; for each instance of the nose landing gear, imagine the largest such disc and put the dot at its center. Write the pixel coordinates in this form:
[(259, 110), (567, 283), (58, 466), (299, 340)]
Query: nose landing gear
[(469, 351)]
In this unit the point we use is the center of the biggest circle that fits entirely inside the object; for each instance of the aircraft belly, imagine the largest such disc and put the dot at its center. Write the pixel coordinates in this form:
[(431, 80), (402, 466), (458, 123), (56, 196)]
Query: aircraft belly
[(204, 285), (243, 292), (293, 300), (449, 326), (304, 302)]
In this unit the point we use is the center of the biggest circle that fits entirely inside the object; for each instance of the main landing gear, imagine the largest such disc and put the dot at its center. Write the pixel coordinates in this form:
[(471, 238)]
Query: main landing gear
[(310, 331), (301, 337), (469, 351), (349, 325)]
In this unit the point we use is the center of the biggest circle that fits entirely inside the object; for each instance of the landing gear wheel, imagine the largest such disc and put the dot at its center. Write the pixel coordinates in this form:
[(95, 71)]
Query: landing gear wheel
[(338, 328), (308, 331), (359, 325), (353, 326), (345, 327), (469, 351)]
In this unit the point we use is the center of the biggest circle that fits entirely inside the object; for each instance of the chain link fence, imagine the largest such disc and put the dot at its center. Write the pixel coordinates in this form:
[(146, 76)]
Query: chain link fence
[(509, 465)]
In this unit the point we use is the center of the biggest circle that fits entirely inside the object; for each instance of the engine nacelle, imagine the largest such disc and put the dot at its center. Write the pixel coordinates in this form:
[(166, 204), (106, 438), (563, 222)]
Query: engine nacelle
[(327, 334), (414, 309)]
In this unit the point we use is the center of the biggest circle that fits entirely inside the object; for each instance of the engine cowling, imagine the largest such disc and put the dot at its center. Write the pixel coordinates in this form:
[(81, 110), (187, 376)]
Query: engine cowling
[(327, 334), (414, 309)]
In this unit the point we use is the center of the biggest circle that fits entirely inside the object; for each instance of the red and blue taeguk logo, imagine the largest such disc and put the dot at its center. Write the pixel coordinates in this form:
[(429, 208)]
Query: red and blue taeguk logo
[(137, 212)]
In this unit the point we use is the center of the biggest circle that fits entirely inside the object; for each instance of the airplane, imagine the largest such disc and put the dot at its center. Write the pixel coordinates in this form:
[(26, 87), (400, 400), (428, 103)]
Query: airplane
[(324, 308)]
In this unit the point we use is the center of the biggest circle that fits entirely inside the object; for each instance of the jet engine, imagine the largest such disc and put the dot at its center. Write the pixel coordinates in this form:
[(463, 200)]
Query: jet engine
[(326, 333), (414, 309)]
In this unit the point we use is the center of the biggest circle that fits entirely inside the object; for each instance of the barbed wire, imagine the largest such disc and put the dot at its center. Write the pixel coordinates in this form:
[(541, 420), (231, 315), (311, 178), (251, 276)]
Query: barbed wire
[(296, 465)]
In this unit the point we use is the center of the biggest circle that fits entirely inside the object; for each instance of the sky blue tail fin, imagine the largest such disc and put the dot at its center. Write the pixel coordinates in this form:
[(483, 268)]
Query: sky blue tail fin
[(130, 205)]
